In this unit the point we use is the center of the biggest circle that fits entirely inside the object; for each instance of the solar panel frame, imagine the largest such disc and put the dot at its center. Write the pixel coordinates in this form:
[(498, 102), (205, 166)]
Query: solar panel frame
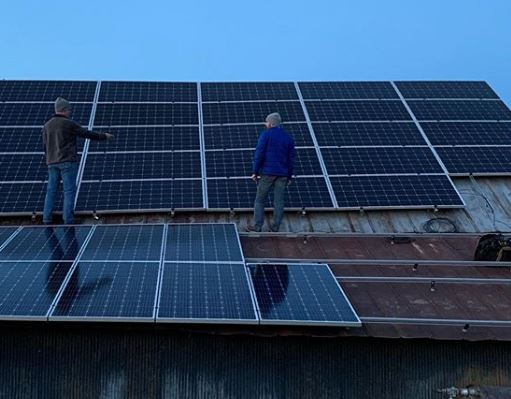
[(7, 234), (327, 276)]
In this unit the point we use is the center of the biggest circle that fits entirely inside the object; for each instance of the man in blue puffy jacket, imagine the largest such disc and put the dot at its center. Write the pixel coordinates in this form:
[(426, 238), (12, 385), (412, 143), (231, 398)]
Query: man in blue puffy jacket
[(272, 167)]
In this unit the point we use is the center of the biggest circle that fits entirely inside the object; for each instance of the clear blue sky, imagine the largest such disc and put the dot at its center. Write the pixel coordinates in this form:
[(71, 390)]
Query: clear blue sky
[(258, 40)]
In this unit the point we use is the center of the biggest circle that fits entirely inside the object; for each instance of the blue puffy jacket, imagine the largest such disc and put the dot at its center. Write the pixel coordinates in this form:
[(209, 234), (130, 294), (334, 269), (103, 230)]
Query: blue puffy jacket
[(275, 153)]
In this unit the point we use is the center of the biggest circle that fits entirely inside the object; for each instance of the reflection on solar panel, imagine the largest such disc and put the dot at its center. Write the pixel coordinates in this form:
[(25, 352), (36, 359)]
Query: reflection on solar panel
[(36, 114), (23, 167), (45, 244), (139, 195), (468, 133), (203, 242), (5, 233), (146, 165), (476, 160), (109, 291), (255, 112), (167, 138), (146, 114), (148, 92), (347, 90), (246, 136), (40, 90), (368, 133), (239, 163), (357, 111), (301, 294), (446, 89), (461, 110), (27, 289), (248, 91), (125, 243), (206, 293), (383, 160), (394, 191)]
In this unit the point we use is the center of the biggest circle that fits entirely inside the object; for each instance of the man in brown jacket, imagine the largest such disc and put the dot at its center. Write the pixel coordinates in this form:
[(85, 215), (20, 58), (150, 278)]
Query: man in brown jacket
[(59, 139)]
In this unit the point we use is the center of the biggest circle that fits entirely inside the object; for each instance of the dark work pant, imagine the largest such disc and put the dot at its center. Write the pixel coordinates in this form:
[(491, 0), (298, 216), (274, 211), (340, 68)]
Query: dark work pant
[(279, 191)]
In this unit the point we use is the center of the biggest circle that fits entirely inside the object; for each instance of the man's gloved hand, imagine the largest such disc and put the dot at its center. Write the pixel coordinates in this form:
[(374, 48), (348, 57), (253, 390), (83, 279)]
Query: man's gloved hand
[(254, 177)]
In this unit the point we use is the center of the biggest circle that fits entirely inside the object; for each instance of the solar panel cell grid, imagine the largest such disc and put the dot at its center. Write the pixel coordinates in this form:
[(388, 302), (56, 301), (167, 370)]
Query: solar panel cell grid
[(26, 114), (357, 111), (300, 294), (445, 89), (148, 92), (23, 167), (468, 133), (476, 160), (255, 112), (205, 292), (25, 197), (369, 133), (383, 160), (27, 289), (140, 195), (40, 90), (460, 110), (347, 90), (21, 140), (149, 139), (247, 91), (147, 165), (146, 114), (5, 233)]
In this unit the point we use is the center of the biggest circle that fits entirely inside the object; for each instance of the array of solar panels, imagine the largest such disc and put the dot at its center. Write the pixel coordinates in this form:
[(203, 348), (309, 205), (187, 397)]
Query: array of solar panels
[(189, 145), (164, 273)]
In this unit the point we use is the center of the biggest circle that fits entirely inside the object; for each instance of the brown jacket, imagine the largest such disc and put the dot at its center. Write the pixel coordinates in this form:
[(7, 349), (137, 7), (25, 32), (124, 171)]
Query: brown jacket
[(59, 139)]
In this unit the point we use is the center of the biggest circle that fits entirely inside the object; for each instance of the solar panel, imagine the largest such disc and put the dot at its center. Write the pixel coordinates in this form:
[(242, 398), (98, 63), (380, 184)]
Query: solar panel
[(21, 139), (146, 114), (476, 160), (46, 90), (231, 193), (125, 243), (36, 114), (148, 92), (23, 198), (248, 91), (347, 90), (145, 165), (203, 242), (5, 233), (139, 195), (109, 291), (461, 110), (308, 193), (45, 244), (301, 294), (27, 289), (255, 112), (367, 133), (148, 139), (371, 110), (445, 89), (382, 160), (205, 293), (239, 163), (246, 136), (395, 191), (467, 133), (23, 167)]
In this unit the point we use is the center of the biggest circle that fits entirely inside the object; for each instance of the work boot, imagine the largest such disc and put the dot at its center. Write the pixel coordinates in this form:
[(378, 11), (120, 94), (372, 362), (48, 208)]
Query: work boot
[(252, 229)]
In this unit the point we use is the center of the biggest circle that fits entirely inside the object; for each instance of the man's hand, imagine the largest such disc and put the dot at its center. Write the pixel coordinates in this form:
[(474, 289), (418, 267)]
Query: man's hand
[(289, 181), (109, 136), (254, 177)]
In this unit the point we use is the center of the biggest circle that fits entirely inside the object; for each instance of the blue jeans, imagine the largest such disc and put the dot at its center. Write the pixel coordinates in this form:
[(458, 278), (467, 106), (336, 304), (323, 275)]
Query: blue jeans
[(279, 191), (68, 171)]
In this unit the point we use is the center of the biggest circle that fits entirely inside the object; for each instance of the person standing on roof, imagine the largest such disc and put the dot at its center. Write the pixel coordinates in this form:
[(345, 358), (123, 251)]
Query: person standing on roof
[(272, 167), (59, 139)]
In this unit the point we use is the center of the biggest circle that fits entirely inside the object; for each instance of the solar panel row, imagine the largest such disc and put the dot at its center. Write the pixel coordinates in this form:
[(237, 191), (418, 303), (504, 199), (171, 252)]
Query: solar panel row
[(172, 273)]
